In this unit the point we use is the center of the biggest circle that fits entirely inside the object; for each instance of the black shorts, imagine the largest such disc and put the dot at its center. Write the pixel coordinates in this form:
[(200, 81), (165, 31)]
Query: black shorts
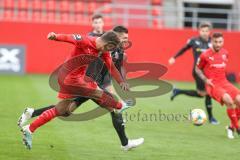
[(200, 85), (106, 81), (80, 100)]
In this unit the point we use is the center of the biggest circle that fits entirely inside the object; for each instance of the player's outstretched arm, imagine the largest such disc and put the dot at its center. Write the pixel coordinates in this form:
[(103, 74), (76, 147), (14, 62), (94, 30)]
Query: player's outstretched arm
[(70, 38), (180, 52)]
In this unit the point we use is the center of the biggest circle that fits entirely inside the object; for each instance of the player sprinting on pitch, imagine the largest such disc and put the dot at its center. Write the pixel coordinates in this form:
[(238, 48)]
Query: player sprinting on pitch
[(198, 45), (91, 46), (211, 68)]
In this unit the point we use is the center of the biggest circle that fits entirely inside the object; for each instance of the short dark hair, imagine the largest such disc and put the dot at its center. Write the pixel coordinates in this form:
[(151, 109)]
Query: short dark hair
[(110, 37), (205, 24), (97, 16), (217, 35), (120, 29)]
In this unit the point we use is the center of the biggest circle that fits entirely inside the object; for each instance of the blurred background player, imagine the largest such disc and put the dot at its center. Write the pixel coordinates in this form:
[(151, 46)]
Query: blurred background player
[(98, 71), (211, 68), (97, 25), (199, 45)]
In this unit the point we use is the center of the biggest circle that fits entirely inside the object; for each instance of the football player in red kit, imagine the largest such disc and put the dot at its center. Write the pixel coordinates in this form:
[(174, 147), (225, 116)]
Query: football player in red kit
[(211, 67), (73, 81)]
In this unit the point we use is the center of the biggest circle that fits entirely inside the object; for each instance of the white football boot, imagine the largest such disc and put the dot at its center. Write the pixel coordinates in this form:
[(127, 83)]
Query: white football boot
[(27, 114), (27, 137), (133, 144), (229, 132), (125, 106)]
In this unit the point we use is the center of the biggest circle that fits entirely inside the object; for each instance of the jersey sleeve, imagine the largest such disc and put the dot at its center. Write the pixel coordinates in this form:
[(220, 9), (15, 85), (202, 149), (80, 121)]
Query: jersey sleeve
[(201, 62), (111, 67), (70, 38), (187, 46)]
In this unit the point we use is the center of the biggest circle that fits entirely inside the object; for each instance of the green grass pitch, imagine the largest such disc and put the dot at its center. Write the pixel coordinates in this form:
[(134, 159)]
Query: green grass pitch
[(96, 139)]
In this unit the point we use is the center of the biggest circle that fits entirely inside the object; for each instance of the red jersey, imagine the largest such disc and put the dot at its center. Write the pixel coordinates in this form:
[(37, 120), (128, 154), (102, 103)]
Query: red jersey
[(214, 64), (85, 45)]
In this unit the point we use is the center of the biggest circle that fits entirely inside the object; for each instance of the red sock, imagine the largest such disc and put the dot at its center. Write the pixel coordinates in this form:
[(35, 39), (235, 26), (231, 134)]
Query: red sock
[(109, 102), (237, 110), (43, 118), (233, 117)]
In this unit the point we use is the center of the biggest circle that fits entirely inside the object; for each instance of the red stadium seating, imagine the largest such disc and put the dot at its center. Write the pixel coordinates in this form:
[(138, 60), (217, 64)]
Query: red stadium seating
[(156, 2), (78, 18), (37, 5), (51, 17), (108, 21), (107, 8), (51, 5), (8, 15), (91, 7), (8, 4), (1, 4), (78, 7), (157, 23), (23, 15), (36, 16), (138, 22), (23, 4), (156, 11), (64, 6), (77, 11), (64, 17)]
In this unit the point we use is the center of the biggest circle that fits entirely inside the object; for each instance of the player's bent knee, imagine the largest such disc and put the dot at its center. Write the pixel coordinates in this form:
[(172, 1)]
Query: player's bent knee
[(202, 93), (63, 107), (237, 100), (227, 100)]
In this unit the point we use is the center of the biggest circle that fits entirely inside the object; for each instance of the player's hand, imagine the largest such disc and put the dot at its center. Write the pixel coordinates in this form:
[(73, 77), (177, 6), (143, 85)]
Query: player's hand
[(51, 36), (124, 86), (171, 61), (209, 82)]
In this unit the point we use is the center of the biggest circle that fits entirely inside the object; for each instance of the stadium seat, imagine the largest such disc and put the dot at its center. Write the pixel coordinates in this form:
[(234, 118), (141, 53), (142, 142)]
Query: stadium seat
[(8, 14), (23, 4), (78, 7), (51, 17), (108, 21), (64, 6), (51, 5), (23, 15), (107, 1), (1, 4), (36, 5), (8, 4), (107, 8), (119, 21), (138, 23), (78, 18), (156, 11), (64, 17), (91, 7), (156, 2), (36, 16), (157, 23)]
